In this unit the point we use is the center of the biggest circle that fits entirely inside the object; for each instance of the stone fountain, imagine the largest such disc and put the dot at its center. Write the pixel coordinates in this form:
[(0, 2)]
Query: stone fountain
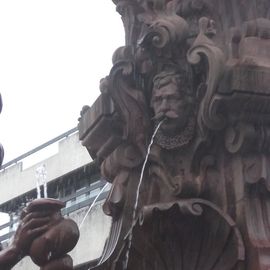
[(202, 67)]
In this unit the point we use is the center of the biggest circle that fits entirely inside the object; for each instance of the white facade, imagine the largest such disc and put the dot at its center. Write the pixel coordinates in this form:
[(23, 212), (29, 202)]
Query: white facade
[(15, 180)]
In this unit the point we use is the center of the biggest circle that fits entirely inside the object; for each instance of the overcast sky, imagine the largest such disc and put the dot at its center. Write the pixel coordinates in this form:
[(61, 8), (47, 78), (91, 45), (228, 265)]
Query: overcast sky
[(52, 55)]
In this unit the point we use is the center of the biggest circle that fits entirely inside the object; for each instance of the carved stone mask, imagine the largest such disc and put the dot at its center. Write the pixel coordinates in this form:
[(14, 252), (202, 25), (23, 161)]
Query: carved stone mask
[(170, 100)]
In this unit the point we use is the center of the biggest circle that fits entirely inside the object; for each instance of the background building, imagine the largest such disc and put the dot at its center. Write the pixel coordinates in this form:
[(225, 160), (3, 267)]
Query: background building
[(71, 177)]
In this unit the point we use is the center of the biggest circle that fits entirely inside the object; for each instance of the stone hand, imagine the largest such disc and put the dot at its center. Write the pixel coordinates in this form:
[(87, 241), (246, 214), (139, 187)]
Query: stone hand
[(59, 239), (31, 226)]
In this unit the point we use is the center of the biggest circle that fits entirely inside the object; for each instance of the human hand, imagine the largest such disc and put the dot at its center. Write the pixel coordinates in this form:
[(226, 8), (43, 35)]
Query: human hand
[(31, 226), (64, 263)]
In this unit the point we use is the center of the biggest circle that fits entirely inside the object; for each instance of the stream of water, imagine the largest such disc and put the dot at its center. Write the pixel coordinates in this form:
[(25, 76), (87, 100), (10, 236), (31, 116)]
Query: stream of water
[(41, 175), (38, 190), (45, 189), (135, 208), (92, 204)]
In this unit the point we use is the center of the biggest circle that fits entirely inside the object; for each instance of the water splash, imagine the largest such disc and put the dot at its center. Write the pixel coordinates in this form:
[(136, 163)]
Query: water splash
[(91, 206), (45, 187), (130, 236), (41, 175), (38, 189)]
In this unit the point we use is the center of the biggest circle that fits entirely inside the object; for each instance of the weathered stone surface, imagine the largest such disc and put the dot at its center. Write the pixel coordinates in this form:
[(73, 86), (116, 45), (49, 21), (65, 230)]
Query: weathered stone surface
[(203, 67)]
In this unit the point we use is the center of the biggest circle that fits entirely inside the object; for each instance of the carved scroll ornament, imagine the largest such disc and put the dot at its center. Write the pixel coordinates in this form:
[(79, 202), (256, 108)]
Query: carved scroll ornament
[(204, 47)]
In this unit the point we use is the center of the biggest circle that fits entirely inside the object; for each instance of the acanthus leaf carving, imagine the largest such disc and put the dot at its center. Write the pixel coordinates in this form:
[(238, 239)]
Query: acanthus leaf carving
[(129, 99)]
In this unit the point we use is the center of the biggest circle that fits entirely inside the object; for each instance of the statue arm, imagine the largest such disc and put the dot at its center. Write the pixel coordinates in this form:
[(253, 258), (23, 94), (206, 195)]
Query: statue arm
[(30, 227), (9, 257)]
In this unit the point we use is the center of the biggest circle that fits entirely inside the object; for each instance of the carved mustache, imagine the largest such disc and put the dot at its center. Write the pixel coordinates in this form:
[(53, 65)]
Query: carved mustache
[(163, 115)]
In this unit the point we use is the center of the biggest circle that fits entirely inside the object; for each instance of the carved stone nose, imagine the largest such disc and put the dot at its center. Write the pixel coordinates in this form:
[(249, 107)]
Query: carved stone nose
[(164, 105)]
